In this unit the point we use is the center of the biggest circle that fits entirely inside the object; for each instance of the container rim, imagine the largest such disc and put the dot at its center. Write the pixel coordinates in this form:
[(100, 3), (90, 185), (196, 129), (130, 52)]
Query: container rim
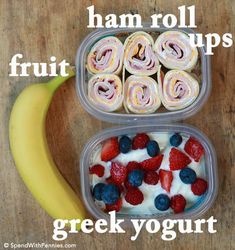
[(211, 164), (123, 118)]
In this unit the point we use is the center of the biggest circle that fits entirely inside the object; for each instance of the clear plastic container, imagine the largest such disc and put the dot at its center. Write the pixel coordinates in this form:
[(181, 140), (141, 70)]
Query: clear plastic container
[(204, 203), (82, 77)]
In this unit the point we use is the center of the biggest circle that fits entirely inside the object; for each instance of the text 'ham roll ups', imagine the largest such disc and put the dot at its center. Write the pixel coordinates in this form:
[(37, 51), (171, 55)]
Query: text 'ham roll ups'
[(174, 51), (141, 95), (139, 57), (106, 56), (105, 92), (177, 89)]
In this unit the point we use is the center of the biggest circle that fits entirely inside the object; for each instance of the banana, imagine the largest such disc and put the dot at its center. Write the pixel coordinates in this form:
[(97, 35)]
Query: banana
[(31, 153)]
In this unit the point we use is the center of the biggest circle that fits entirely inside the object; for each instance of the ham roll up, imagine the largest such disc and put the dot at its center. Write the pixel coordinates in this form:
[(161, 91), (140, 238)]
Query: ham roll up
[(105, 92), (106, 56)]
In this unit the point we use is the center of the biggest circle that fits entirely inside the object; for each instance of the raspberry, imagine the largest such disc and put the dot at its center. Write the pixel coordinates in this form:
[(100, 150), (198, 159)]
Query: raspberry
[(97, 169), (199, 187), (140, 141), (134, 196), (109, 180), (178, 203), (194, 148), (118, 172), (153, 163), (151, 177), (132, 165), (114, 207), (178, 159)]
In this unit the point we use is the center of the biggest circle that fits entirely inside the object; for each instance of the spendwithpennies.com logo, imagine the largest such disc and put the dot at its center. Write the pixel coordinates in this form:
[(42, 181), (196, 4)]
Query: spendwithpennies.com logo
[(37, 245)]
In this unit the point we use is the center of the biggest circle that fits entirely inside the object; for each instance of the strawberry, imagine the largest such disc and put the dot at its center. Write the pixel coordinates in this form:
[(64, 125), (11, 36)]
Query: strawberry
[(178, 159), (118, 172), (134, 196), (109, 180), (114, 207), (110, 149), (97, 169), (151, 177), (153, 163), (178, 203), (140, 141), (194, 148), (166, 178), (199, 187), (132, 165)]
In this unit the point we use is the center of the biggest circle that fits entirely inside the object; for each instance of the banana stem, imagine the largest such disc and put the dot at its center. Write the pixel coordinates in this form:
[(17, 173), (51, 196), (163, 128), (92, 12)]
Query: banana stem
[(54, 83)]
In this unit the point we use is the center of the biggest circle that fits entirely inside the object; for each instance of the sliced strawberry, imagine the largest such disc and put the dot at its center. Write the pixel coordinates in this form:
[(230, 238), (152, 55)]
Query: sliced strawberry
[(194, 148), (166, 178), (118, 172), (140, 141), (178, 159), (132, 165), (114, 207), (153, 163), (110, 149), (97, 169)]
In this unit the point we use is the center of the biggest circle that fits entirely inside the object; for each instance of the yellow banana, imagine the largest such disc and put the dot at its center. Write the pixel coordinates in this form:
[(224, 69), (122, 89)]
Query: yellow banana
[(31, 153)]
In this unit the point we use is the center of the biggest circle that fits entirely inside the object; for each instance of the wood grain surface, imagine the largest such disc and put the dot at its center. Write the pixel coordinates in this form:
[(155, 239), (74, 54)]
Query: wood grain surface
[(40, 29)]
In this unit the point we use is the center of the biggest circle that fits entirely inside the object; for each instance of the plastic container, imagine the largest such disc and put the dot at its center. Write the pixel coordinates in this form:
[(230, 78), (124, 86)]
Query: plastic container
[(82, 77), (210, 163)]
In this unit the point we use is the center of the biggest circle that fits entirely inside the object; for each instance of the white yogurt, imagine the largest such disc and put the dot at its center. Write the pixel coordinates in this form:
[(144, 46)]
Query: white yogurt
[(151, 191)]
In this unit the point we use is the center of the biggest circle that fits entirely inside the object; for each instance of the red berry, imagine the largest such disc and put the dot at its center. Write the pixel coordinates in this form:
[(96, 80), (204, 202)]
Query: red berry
[(140, 141), (132, 165), (97, 169), (199, 187), (178, 203), (194, 148), (118, 172), (153, 163), (114, 207), (166, 177), (134, 196), (109, 180), (151, 177), (127, 184), (178, 159), (110, 149)]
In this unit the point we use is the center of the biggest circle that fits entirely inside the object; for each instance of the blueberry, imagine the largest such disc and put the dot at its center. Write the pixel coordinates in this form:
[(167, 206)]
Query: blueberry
[(135, 177), (176, 140), (97, 191), (125, 144), (162, 202), (188, 175), (153, 148), (110, 194)]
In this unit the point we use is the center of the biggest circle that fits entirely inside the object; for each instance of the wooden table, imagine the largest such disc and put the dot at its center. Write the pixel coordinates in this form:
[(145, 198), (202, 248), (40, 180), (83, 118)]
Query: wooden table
[(40, 29)]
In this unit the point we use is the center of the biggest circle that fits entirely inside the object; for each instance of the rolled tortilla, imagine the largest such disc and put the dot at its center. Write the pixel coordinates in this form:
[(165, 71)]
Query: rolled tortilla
[(105, 92), (177, 89), (174, 51), (106, 56), (139, 57), (141, 95)]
